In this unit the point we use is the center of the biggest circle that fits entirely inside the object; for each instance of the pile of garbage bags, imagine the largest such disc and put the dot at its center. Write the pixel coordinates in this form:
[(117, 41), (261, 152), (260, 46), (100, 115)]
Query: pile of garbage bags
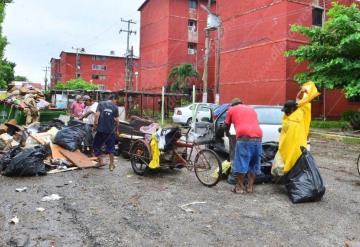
[(23, 150), (72, 136)]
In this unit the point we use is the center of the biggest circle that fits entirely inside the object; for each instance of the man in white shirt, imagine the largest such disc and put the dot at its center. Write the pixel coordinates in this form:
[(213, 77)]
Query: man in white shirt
[(89, 111)]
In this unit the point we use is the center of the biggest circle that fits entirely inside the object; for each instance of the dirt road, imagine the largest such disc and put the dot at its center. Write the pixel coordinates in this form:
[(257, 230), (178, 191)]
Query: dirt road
[(100, 208)]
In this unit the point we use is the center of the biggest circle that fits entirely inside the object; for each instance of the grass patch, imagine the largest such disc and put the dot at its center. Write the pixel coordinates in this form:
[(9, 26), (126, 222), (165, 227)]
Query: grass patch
[(329, 124), (349, 140)]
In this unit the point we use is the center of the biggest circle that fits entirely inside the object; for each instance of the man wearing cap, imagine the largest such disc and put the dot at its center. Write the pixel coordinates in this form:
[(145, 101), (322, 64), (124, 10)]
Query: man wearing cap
[(89, 110), (77, 107), (248, 144)]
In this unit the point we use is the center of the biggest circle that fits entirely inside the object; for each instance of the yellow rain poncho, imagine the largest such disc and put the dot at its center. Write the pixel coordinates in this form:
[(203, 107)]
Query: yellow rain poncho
[(155, 162), (294, 132)]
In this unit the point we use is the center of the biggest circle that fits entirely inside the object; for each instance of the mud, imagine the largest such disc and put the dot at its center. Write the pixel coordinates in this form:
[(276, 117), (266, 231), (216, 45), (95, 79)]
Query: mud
[(103, 208)]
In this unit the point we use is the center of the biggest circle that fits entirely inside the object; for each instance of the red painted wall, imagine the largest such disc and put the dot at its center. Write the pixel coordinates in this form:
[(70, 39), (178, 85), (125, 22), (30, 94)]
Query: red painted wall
[(164, 41), (253, 66), (115, 69)]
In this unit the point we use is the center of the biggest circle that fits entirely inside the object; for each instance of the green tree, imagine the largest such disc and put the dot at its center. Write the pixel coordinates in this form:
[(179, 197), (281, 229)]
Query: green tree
[(180, 76), (76, 84), (20, 78), (6, 67), (6, 73), (333, 52)]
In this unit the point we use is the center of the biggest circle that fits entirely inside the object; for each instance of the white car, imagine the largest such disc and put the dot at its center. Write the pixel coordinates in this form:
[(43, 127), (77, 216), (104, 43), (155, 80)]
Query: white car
[(270, 120), (183, 115)]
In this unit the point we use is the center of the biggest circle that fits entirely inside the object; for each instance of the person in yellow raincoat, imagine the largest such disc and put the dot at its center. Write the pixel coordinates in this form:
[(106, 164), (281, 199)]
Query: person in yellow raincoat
[(295, 129)]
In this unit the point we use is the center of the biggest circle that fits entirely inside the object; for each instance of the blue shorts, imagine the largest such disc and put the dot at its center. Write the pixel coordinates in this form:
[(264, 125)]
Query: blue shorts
[(102, 139), (247, 157)]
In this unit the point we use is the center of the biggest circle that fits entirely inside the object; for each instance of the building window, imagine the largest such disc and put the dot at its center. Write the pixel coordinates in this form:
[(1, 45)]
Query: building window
[(98, 58), (98, 67), (78, 75), (98, 77), (192, 26), (193, 4), (317, 16), (192, 48)]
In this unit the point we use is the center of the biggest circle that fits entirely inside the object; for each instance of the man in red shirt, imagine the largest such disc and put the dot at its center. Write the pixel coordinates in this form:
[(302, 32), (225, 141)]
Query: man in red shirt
[(248, 143)]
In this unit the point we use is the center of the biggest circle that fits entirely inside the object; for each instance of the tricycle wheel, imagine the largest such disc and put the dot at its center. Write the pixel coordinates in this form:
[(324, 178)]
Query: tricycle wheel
[(207, 167), (139, 157)]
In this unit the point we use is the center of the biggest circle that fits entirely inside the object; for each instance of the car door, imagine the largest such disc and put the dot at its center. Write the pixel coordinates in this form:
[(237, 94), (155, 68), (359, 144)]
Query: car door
[(203, 129)]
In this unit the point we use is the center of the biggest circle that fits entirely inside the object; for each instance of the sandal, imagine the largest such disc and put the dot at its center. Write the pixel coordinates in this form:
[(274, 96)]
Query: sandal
[(235, 191)]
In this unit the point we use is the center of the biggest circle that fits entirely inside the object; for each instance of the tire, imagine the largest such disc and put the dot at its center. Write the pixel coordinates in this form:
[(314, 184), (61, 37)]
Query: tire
[(139, 157), (207, 167), (358, 164)]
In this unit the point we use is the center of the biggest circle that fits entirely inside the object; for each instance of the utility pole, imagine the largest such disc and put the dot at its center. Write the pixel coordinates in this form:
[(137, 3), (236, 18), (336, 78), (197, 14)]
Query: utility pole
[(45, 69), (77, 69), (129, 55), (206, 60)]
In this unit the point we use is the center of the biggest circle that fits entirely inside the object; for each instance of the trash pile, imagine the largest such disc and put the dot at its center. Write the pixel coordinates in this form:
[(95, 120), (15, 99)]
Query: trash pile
[(40, 148), (19, 97)]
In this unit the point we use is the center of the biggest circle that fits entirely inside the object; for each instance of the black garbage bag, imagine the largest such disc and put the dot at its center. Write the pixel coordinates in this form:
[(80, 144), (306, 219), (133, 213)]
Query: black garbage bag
[(28, 162), (57, 123), (304, 182), (74, 135), (6, 158)]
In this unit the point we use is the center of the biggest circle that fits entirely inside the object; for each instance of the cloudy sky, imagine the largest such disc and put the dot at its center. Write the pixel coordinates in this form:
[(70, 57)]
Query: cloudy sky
[(38, 30)]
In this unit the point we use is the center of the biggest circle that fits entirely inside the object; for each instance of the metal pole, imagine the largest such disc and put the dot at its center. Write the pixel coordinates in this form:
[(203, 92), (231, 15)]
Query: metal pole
[(194, 110), (217, 75), (324, 104), (206, 61), (162, 105)]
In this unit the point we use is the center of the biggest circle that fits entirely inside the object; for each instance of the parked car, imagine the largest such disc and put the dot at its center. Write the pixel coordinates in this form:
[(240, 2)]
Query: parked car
[(183, 115), (270, 118)]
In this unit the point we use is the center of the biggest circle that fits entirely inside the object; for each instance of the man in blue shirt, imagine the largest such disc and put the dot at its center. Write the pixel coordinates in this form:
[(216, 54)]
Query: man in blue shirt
[(106, 125)]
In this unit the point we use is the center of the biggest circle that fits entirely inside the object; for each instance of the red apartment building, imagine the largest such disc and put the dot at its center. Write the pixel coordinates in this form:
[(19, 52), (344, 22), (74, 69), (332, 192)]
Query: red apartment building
[(253, 66), (172, 33), (108, 71)]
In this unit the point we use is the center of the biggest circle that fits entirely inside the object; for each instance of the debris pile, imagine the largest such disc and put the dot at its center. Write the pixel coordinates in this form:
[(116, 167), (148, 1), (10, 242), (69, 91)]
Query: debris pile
[(41, 149)]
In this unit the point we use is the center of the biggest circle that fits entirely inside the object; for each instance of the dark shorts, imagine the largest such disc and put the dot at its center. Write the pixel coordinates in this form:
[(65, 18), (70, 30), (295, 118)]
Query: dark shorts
[(102, 139), (247, 157)]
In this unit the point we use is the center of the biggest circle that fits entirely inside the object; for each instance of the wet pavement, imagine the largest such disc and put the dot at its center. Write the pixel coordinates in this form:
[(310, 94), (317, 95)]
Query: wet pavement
[(103, 208)]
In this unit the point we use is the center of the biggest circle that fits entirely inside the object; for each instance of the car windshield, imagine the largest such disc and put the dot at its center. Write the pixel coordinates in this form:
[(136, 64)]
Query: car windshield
[(269, 115)]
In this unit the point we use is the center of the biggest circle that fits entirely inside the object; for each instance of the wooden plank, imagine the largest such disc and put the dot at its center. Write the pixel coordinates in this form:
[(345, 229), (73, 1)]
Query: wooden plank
[(78, 159), (62, 170), (55, 152)]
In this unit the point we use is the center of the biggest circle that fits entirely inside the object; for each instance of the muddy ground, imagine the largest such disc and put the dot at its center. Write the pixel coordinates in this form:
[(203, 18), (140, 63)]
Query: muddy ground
[(102, 208)]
